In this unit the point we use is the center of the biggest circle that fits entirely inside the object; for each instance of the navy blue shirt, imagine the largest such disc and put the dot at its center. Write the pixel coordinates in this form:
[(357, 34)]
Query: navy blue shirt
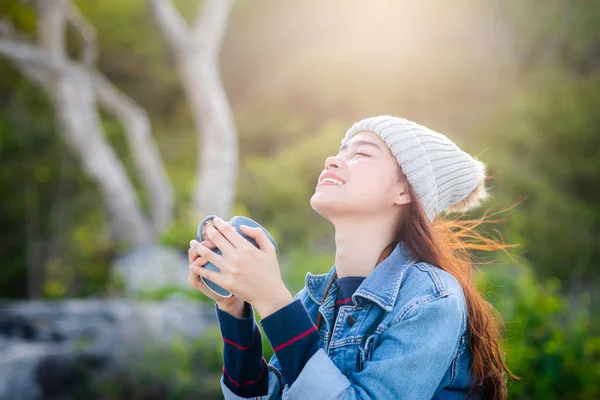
[(294, 340), (347, 287)]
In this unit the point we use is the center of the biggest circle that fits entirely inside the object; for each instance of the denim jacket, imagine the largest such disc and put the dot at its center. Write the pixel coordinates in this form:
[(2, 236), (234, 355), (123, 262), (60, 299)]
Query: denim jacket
[(404, 336)]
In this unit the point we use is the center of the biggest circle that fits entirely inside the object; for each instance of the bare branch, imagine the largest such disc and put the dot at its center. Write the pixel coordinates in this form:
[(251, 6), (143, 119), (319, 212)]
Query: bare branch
[(51, 28), (209, 27), (89, 50), (142, 146), (29, 59), (170, 22), (26, 54)]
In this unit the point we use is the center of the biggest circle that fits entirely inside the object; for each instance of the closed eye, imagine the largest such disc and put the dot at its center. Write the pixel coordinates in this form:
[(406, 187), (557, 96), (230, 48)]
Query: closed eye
[(355, 154)]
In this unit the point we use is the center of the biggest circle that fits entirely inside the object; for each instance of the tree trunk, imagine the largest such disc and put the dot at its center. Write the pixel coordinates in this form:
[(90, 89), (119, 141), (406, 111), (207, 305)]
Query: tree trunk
[(73, 96), (135, 120), (143, 148), (217, 164), (196, 50)]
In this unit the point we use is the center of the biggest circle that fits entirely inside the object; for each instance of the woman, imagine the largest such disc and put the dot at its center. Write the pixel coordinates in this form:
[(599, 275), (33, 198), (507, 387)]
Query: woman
[(398, 315)]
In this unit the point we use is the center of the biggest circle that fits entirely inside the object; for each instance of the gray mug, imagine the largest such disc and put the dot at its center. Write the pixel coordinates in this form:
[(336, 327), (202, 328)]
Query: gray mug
[(236, 222)]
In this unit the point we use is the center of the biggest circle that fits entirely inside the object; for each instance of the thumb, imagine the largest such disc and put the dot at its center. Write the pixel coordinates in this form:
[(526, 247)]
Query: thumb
[(259, 236)]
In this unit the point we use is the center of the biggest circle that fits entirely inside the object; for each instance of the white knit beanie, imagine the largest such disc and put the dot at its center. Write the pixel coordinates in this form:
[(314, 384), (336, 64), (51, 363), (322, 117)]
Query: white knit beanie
[(444, 178)]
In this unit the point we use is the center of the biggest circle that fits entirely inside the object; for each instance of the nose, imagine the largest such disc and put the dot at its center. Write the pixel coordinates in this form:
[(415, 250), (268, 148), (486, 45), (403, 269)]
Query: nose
[(333, 162)]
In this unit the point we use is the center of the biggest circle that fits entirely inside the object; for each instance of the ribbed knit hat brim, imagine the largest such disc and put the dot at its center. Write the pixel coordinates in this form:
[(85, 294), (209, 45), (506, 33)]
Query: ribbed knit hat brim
[(443, 177)]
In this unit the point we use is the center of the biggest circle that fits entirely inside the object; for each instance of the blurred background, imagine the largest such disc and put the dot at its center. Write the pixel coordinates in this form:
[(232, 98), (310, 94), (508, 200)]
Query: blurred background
[(123, 123)]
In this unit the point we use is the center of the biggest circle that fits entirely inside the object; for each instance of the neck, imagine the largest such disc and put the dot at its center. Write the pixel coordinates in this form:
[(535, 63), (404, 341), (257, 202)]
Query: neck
[(361, 245)]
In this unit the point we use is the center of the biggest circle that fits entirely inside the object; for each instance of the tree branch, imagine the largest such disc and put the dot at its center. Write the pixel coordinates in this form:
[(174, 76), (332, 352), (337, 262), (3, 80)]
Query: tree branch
[(24, 53), (51, 28), (28, 58), (142, 146), (89, 50), (209, 27), (170, 21)]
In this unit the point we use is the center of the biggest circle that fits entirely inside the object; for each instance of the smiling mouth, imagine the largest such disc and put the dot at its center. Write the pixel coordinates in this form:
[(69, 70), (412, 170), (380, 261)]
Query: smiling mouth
[(330, 182)]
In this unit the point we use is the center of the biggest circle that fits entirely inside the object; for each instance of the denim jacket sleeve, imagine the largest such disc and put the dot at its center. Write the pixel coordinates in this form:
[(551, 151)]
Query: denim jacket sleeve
[(409, 361)]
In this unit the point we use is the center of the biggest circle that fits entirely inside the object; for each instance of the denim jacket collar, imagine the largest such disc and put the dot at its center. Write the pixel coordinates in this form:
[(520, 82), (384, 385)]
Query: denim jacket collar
[(380, 287)]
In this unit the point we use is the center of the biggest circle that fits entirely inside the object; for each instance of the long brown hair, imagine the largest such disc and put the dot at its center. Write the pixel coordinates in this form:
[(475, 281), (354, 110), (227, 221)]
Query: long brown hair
[(447, 244)]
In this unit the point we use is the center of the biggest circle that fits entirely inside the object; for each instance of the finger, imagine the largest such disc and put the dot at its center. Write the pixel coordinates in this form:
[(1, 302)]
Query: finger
[(213, 276), (192, 253), (219, 239), (195, 280), (197, 284), (207, 243), (260, 237), (194, 257), (200, 261), (230, 233), (212, 257)]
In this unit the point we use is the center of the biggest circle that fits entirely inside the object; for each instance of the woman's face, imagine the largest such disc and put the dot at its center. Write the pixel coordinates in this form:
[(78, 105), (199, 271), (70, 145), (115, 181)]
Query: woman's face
[(370, 180)]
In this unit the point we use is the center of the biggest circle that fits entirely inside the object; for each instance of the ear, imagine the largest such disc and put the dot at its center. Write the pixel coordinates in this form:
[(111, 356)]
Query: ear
[(402, 198)]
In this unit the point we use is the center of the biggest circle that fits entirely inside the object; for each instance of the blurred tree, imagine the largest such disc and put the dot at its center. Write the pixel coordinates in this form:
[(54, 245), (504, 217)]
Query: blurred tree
[(196, 50), (74, 88)]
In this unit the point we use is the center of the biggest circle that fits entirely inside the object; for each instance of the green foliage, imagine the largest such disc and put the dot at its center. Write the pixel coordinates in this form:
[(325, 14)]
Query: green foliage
[(172, 292), (545, 147), (552, 343), (301, 260), (565, 33)]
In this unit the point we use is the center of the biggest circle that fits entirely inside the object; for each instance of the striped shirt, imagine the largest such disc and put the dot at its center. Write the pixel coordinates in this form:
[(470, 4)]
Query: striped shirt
[(290, 331)]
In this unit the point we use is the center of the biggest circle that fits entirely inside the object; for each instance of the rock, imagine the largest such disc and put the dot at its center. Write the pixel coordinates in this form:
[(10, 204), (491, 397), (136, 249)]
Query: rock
[(48, 348), (151, 268)]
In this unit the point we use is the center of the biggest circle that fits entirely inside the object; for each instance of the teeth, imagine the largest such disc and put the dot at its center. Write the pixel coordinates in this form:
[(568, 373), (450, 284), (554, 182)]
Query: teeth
[(333, 181)]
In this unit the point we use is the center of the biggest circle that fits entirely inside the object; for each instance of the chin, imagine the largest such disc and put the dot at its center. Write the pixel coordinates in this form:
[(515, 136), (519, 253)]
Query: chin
[(329, 207), (322, 205), (316, 203)]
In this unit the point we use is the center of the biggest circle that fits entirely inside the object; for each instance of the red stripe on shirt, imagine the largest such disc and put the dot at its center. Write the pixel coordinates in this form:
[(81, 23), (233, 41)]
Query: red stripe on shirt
[(295, 339), (250, 382), (234, 344), (349, 299)]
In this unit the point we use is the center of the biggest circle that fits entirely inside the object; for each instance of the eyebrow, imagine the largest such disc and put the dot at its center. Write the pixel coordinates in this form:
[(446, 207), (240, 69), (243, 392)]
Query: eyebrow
[(359, 143)]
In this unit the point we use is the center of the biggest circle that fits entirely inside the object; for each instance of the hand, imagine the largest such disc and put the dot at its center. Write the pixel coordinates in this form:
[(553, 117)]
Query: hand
[(233, 305), (246, 271)]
